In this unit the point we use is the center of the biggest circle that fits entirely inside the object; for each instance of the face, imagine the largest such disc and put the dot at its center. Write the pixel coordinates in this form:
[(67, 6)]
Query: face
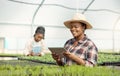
[(77, 29), (38, 37)]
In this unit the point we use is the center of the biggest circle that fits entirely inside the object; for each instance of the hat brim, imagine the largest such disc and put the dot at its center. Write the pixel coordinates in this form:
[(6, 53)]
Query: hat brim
[(68, 23)]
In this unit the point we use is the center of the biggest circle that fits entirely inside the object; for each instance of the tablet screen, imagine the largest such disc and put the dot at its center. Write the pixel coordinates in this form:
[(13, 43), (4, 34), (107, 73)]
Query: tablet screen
[(58, 51)]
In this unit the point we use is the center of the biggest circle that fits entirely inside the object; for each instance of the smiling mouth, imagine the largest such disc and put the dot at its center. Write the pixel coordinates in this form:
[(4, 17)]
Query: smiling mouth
[(73, 32)]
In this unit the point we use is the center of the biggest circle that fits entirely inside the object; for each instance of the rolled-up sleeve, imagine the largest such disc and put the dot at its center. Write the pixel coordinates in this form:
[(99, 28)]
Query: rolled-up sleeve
[(92, 55)]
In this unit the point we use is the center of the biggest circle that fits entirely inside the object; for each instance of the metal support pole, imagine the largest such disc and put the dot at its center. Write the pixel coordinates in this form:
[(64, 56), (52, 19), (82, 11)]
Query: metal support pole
[(33, 18)]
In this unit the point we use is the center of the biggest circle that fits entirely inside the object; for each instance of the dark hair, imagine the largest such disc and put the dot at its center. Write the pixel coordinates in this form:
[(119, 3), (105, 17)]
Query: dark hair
[(41, 30), (83, 25)]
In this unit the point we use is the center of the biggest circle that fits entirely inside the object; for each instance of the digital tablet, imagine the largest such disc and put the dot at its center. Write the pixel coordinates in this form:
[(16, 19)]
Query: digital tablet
[(58, 51)]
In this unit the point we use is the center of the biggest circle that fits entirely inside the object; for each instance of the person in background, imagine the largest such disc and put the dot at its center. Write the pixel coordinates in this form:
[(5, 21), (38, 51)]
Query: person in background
[(36, 46), (80, 49)]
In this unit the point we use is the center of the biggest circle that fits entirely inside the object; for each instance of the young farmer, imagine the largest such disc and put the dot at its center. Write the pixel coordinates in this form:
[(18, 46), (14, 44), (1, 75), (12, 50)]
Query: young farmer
[(80, 49), (36, 45)]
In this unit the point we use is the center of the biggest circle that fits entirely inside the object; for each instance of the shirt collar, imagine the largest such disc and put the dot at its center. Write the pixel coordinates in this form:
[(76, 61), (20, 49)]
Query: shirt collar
[(81, 41)]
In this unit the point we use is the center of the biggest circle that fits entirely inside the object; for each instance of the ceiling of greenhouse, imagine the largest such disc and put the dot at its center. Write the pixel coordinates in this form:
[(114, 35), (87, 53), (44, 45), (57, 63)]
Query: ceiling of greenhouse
[(102, 14)]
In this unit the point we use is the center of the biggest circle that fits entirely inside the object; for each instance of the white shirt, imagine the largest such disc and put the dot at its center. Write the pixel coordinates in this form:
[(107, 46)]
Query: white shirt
[(32, 44)]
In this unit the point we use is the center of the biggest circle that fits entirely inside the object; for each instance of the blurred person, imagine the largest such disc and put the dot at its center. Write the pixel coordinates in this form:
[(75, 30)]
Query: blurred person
[(36, 46), (79, 49)]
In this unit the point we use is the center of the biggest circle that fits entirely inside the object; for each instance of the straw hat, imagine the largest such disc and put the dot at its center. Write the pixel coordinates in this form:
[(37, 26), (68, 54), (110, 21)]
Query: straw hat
[(78, 18)]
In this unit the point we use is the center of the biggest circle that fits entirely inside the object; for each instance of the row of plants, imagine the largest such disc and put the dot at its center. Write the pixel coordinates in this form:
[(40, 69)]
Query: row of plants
[(74, 70), (29, 68), (102, 57), (108, 57), (45, 58)]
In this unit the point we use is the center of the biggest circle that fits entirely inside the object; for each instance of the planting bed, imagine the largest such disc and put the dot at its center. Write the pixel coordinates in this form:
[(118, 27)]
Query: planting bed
[(103, 58), (46, 66), (109, 59)]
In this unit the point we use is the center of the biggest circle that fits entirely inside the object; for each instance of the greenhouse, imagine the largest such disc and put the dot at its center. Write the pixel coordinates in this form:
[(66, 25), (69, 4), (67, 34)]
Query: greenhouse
[(19, 20)]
